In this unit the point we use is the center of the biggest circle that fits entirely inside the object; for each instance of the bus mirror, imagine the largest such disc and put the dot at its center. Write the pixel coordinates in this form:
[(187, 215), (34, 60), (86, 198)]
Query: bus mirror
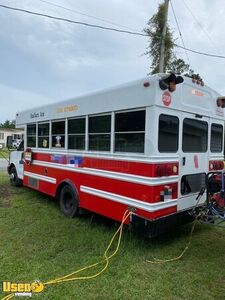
[(170, 81), (221, 102), (9, 142)]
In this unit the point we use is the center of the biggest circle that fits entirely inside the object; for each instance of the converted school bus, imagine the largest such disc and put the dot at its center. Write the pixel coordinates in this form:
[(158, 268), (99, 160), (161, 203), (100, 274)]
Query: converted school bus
[(135, 146)]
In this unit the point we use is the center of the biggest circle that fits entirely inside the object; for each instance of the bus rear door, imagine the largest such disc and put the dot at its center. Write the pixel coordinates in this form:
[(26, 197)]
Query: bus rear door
[(194, 157)]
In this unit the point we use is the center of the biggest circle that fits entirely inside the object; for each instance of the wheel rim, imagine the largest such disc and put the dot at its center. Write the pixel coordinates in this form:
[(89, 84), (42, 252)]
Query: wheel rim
[(68, 202), (13, 176)]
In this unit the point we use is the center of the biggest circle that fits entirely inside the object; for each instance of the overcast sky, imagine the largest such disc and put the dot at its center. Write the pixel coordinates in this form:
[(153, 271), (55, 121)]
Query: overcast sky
[(44, 61)]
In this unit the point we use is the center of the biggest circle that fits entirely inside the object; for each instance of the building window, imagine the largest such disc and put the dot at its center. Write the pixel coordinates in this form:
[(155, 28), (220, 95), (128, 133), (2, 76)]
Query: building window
[(31, 135), (43, 135), (76, 134), (58, 134), (168, 133), (1, 135), (130, 131), (195, 136), (216, 138), (99, 133)]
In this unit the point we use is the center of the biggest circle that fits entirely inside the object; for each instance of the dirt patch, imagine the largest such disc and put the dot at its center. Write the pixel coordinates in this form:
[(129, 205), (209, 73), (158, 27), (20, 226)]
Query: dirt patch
[(5, 193)]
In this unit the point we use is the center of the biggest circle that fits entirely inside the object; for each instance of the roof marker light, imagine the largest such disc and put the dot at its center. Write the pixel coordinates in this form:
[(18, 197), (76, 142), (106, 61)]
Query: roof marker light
[(146, 84)]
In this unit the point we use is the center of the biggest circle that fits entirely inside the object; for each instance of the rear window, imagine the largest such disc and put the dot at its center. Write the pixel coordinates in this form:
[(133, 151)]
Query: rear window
[(168, 133), (195, 135), (192, 183), (216, 138)]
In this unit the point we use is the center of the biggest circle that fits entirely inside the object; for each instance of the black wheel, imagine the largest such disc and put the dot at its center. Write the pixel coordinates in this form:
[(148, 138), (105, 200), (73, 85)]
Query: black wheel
[(68, 201), (15, 181)]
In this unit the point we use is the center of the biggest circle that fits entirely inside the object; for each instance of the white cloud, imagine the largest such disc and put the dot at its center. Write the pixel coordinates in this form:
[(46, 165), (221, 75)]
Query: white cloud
[(14, 100)]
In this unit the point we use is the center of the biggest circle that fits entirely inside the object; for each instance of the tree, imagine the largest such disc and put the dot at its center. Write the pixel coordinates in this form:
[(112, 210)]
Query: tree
[(178, 66), (8, 124), (154, 30), (172, 63)]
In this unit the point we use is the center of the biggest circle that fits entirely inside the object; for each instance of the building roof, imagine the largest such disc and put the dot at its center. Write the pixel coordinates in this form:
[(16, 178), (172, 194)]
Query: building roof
[(11, 129)]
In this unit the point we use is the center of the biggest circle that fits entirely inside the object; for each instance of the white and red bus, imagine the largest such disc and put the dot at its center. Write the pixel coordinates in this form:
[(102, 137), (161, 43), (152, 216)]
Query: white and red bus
[(138, 146)]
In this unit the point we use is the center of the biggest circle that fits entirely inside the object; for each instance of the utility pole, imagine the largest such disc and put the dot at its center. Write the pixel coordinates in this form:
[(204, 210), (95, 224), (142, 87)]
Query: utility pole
[(162, 50)]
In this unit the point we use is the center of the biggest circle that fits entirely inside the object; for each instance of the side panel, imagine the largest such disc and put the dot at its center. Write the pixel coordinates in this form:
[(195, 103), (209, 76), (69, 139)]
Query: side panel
[(104, 187)]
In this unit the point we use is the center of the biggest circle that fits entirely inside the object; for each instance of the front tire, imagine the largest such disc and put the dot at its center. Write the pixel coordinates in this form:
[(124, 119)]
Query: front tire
[(15, 181), (69, 201)]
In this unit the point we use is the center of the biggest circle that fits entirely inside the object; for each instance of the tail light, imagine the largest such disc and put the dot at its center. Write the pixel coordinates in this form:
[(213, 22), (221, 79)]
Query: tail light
[(166, 170), (216, 165)]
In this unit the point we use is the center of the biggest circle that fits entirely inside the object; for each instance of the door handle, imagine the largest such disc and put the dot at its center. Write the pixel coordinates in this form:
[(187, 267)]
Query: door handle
[(183, 161)]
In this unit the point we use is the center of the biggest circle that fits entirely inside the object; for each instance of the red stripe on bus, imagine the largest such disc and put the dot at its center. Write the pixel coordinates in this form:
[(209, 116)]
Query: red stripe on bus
[(129, 167), (138, 191)]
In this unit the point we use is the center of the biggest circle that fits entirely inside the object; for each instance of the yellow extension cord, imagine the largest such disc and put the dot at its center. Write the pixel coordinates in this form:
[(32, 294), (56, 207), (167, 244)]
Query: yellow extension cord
[(105, 260)]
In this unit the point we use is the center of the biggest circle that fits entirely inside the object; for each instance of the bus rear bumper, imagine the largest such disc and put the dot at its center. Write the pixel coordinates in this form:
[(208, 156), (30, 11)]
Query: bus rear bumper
[(153, 228)]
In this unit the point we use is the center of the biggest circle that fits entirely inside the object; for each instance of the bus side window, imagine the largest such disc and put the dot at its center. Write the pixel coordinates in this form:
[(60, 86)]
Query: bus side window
[(99, 133), (76, 134), (58, 134), (31, 135), (168, 133), (43, 135), (130, 131)]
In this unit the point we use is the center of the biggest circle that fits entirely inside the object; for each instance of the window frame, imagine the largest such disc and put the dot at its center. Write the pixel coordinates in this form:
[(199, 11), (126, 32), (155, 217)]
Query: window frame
[(49, 125), (77, 134), (65, 133), (219, 125), (178, 133), (27, 125), (129, 132), (98, 133), (206, 135), (183, 193)]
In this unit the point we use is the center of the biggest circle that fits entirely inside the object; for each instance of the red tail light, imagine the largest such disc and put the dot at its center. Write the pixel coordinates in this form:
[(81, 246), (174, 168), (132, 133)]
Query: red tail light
[(166, 170), (216, 165)]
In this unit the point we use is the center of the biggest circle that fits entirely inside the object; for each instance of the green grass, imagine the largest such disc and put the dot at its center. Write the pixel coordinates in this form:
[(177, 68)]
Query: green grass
[(4, 153), (38, 242)]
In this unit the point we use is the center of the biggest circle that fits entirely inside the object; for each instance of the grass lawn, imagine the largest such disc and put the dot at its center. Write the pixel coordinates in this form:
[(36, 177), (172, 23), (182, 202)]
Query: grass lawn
[(4, 153), (38, 242)]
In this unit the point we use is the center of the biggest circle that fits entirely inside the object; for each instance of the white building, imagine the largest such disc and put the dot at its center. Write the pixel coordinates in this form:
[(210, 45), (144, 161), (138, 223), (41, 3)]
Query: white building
[(17, 134)]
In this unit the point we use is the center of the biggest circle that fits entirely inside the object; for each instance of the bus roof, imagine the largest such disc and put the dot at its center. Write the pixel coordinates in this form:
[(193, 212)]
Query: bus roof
[(189, 96)]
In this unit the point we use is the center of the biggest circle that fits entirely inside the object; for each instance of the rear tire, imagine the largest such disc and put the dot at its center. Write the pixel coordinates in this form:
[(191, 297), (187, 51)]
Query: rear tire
[(69, 201), (15, 181)]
